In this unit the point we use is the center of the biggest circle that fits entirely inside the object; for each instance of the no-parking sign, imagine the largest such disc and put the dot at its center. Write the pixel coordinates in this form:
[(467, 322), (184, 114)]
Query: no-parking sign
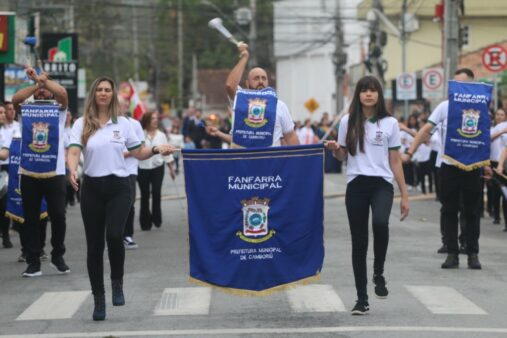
[(494, 58), (433, 83), (406, 86)]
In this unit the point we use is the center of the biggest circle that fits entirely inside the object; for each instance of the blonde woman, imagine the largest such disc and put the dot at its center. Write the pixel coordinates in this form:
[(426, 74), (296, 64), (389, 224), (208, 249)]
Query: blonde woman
[(101, 134)]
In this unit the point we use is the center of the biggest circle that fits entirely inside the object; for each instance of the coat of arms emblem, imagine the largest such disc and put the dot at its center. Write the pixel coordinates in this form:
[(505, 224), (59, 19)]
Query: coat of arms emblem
[(255, 220), (470, 123), (40, 137), (256, 111)]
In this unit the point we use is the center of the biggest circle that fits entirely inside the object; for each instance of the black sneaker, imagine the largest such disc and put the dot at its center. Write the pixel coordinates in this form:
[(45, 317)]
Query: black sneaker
[(380, 286), (33, 270), (473, 262), (59, 264), (361, 308), (442, 249), (451, 262)]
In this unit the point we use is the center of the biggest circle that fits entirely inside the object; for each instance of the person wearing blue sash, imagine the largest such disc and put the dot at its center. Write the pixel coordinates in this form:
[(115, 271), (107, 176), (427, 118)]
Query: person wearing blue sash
[(36, 185), (260, 119), (5, 139), (460, 168)]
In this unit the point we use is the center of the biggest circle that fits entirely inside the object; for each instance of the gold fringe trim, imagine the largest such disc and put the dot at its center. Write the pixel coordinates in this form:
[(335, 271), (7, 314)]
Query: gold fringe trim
[(469, 167), (14, 217), (37, 175), (21, 219), (263, 293)]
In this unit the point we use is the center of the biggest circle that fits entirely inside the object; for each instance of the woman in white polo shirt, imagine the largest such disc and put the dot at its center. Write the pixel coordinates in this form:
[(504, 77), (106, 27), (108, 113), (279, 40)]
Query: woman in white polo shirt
[(371, 139), (105, 193)]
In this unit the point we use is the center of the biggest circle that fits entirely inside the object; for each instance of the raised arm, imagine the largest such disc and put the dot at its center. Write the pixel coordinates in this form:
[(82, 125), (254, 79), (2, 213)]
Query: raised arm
[(55, 88), (236, 73)]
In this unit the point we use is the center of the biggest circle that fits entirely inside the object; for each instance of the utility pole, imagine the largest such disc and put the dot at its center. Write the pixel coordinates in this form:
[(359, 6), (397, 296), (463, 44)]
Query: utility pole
[(340, 59), (135, 46), (403, 39), (180, 56), (451, 40), (374, 62), (253, 35)]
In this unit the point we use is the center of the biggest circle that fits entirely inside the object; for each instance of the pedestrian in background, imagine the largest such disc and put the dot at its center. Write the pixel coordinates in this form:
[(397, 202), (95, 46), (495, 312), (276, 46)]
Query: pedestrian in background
[(151, 174), (106, 196), (370, 139)]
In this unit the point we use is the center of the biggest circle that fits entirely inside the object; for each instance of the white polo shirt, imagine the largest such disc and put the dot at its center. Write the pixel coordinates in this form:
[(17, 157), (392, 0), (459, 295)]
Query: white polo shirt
[(498, 144), (439, 118), (131, 161), (5, 141), (103, 153), (380, 137), (283, 123)]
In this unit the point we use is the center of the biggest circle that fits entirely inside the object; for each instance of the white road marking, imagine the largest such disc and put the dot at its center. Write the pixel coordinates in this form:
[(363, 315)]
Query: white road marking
[(184, 301), (315, 298), (55, 305), (444, 300)]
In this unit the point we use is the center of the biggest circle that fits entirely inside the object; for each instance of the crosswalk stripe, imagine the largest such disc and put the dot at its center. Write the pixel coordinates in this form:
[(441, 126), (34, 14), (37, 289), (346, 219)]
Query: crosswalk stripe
[(444, 300), (315, 298), (184, 301), (55, 305)]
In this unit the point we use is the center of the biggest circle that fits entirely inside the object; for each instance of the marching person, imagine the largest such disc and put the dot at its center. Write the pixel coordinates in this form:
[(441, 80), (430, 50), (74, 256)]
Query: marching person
[(106, 196), (151, 173), (5, 140), (455, 182), (494, 190), (256, 84), (370, 138), (52, 188)]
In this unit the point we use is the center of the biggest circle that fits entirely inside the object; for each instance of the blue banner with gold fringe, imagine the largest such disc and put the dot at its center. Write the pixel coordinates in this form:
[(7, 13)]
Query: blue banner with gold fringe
[(256, 216), (39, 139), (14, 205), (468, 140), (254, 117)]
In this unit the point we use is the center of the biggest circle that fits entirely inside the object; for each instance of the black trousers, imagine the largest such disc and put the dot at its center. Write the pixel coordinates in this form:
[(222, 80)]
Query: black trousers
[(408, 172), (423, 170), (105, 204), (436, 172), (150, 179), (129, 226), (363, 193), (32, 192), (456, 182)]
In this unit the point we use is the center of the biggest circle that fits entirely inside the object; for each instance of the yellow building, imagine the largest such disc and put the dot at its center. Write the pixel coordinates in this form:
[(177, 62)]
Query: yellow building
[(486, 21)]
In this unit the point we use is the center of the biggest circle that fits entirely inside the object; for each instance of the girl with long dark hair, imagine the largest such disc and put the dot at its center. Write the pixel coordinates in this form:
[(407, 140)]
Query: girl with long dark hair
[(370, 138)]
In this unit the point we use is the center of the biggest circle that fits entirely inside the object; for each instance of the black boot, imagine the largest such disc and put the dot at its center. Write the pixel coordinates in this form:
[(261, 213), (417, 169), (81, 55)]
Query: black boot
[(99, 311), (451, 262), (117, 288), (473, 262)]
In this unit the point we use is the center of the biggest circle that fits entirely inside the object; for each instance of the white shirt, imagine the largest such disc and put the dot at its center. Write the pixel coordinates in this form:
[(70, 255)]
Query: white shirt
[(66, 137), (283, 122), (60, 160), (103, 153), (380, 137), (157, 160), (131, 161), (422, 154), (435, 143), (439, 118), (406, 140), (306, 135), (5, 141), (498, 143)]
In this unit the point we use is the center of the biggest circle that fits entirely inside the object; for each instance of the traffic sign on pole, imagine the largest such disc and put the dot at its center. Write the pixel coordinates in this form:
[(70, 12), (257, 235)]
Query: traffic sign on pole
[(433, 83), (406, 86), (494, 58)]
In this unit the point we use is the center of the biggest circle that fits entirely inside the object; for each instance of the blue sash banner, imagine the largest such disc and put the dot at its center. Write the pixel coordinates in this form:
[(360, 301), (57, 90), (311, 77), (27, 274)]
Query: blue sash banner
[(256, 217), (467, 144), (39, 139), (254, 118), (14, 206)]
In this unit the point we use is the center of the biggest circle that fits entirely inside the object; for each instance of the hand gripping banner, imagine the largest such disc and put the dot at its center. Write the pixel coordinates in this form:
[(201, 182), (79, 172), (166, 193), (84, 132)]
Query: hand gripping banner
[(467, 144), (14, 206), (254, 118), (39, 139), (256, 217)]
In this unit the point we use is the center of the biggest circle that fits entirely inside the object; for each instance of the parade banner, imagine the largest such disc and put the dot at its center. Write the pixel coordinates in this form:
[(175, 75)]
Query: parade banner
[(254, 118), (467, 144), (256, 217), (39, 139), (14, 206)]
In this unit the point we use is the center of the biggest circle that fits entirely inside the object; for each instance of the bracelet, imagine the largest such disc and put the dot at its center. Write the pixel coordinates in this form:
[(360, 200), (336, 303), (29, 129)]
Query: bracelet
[(153, 151)]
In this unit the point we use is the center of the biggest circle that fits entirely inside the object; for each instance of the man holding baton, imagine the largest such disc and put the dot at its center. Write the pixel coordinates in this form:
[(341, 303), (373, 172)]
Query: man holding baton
[(259, 117)]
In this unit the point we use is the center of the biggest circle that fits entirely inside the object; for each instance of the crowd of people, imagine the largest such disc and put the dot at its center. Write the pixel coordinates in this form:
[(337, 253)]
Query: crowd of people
[(105, 154)]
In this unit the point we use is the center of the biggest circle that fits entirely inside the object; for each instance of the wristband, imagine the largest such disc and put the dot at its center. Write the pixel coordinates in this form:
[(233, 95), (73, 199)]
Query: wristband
[(153, 151)]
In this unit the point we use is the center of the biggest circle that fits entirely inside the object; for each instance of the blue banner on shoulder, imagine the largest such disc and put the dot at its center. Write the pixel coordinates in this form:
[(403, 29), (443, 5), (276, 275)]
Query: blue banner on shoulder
[(468, 140), (254, 117), (256, 217), (39, 139)]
